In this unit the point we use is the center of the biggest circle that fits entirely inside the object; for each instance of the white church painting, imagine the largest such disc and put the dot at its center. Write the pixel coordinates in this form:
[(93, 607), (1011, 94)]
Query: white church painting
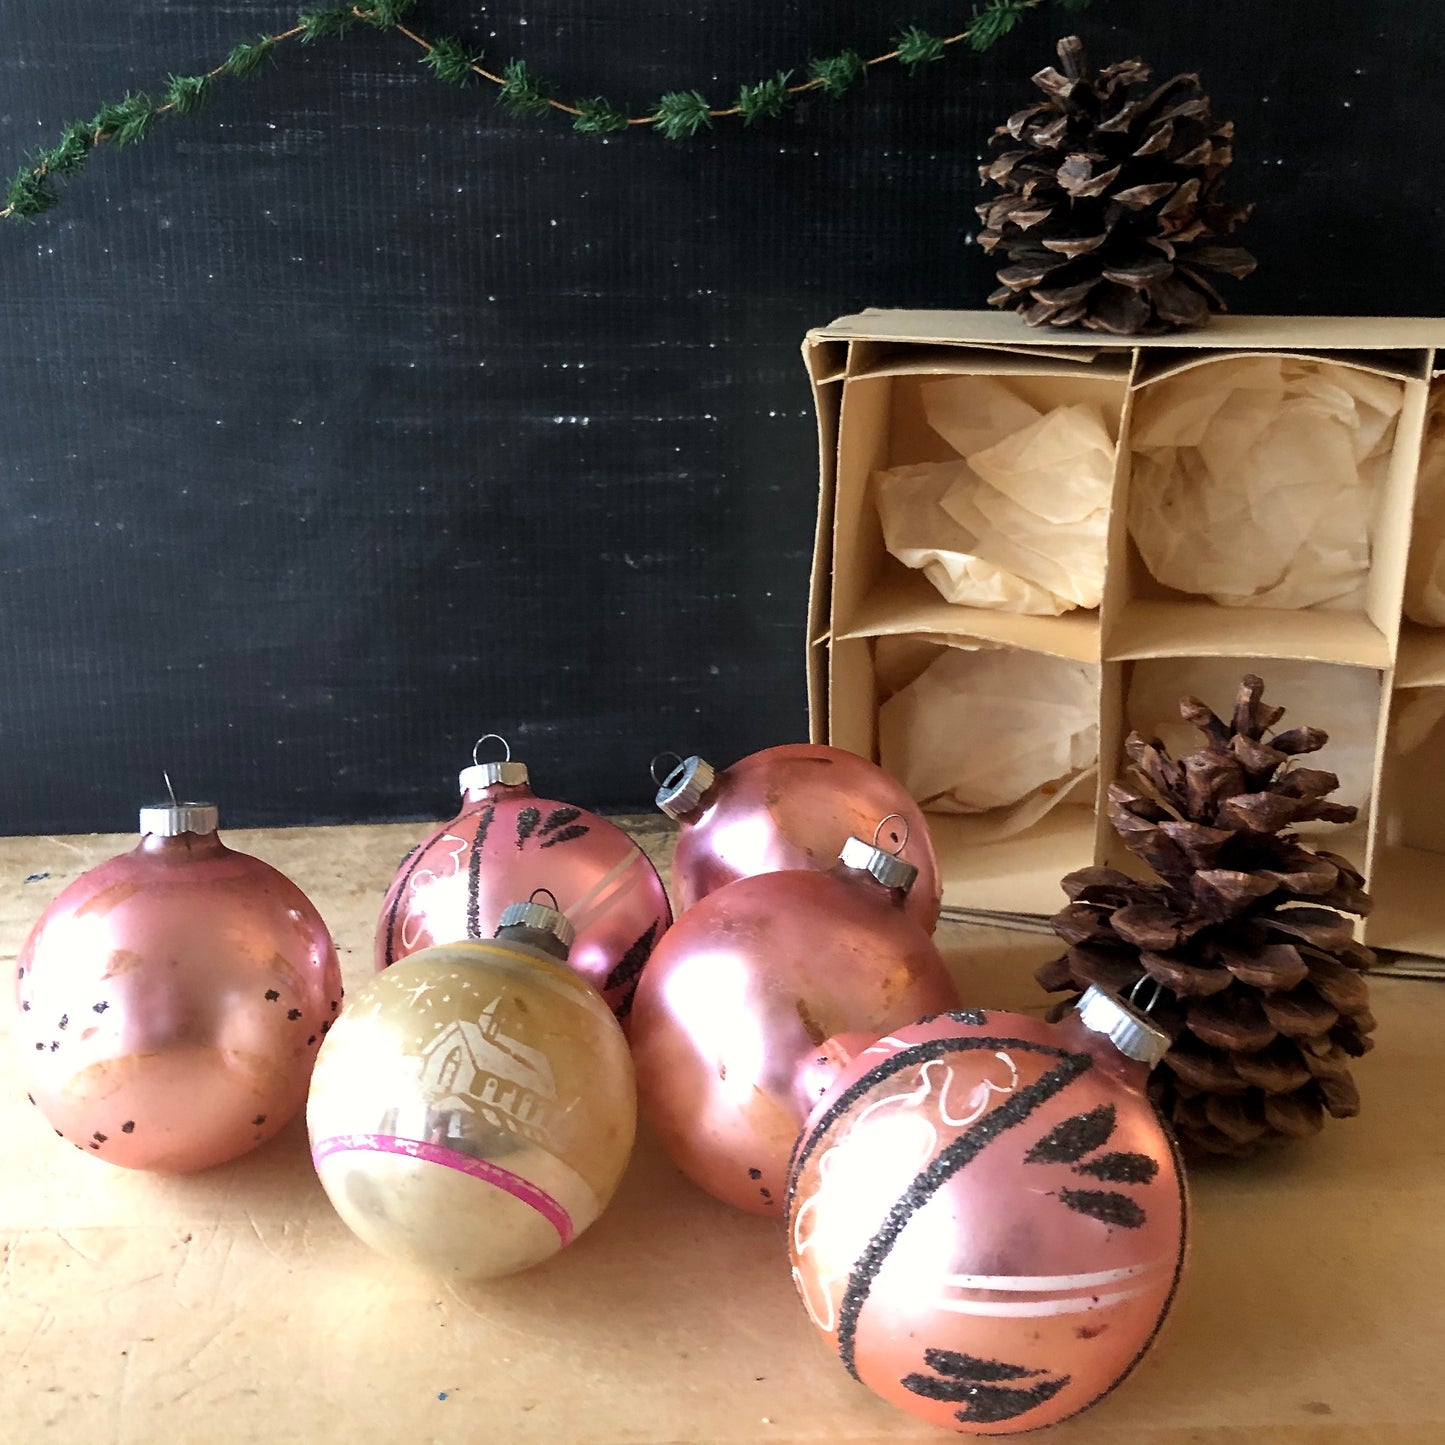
[(473, 1067)]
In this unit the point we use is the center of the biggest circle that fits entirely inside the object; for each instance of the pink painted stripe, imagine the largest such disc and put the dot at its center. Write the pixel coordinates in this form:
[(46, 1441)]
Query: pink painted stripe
[(503, 1179)]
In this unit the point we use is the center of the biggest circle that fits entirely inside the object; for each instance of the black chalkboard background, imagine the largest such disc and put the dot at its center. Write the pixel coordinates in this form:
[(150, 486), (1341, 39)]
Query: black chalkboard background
[(350, 418)]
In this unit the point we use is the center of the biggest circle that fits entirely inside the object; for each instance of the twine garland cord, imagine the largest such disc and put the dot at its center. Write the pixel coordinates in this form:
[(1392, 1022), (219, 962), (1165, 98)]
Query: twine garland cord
[(32, 190)]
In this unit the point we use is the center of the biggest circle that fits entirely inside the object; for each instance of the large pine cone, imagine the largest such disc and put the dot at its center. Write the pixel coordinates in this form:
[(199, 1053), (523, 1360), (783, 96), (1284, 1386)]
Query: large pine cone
[(1109, 211), (1244, 938)]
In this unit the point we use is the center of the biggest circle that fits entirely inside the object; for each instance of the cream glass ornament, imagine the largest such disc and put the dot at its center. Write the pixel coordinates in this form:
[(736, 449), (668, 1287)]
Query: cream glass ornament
[(474, 1108), (172, 999)]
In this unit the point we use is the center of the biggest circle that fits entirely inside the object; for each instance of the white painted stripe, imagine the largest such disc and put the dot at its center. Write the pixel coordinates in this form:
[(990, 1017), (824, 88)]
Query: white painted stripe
[(1033, 1283), (1033, 1309)]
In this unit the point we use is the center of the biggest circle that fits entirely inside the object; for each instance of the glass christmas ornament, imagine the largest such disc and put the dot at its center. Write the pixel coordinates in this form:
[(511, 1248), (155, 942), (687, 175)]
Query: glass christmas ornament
[(505, 843), (788, 807), (756, 995), (173, 998), (987, 1218), (474, 1108)]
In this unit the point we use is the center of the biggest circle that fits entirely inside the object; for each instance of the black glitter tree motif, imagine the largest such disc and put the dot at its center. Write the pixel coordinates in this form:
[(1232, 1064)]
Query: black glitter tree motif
[(628, 969), (1085, 1134), (989, 1391), (527, 820)]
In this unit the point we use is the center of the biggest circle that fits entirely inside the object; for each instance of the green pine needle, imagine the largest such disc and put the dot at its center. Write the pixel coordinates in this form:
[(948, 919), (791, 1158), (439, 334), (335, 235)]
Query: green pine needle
[(70, 153), (386, 13), (766, 99), (30, 194), (1073, 6), (917, 47), (682, 113), (187, 93), (323, 23), (452, 61), (123, 122), (598, 115), (521, 92), (248, 57), (835, 73), (991, 25)]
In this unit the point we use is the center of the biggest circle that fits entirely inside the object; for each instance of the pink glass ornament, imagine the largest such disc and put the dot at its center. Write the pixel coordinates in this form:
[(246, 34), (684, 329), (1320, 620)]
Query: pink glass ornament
[(987, 1218), (473, 1110), (789, 807), (173, 998), (754, 996), (506, 843)]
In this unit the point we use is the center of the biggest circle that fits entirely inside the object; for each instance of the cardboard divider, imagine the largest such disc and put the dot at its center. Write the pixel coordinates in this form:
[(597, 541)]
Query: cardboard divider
[(1408, 879), (1144, 617), (1365, 674)]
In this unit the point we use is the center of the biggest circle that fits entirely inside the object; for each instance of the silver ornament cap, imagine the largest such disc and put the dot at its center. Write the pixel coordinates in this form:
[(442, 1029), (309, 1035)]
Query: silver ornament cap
[(888, 868), (682, 789), (1131, 1032), (540, 918), (170, 820), (485, 775)]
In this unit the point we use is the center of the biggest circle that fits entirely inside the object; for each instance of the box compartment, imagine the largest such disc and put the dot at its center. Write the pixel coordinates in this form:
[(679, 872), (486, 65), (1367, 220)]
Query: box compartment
[(871, 418)]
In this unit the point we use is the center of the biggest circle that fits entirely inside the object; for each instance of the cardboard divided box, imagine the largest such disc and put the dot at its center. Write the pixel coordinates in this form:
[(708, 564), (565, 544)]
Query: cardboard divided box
[(1384, 674)]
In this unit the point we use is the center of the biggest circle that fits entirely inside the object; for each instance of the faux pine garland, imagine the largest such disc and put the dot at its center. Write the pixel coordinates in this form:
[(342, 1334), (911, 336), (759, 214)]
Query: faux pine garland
[(677, 114)]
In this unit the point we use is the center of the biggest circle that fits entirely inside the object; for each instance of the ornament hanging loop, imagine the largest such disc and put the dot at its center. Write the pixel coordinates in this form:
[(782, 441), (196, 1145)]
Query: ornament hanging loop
[(1133, 994), (669, 773), (506, 747), (878, 833), (170, 788), (549, 896)]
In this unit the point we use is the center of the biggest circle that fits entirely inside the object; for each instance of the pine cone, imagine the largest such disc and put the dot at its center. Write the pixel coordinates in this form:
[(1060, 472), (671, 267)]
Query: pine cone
[(1109, 211), (1244, 934)]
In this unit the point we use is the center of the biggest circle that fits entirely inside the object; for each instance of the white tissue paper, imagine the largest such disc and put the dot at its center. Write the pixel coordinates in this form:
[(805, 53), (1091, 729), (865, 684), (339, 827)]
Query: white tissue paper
[(1425, 580), (1343, 701), (1256, 480), (994, 730), (1019, 524)]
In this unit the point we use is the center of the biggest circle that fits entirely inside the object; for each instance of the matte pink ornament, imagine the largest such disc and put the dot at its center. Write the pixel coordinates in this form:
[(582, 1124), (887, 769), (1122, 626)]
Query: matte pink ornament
[(506, 843), (790, 807), (172, 999), (753, 999), (987, 1218)]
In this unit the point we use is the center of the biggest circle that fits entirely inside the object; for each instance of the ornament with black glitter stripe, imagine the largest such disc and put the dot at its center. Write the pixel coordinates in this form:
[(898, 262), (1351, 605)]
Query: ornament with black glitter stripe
[(172, 999), (987, 1217), (505, 843), (756, 998)]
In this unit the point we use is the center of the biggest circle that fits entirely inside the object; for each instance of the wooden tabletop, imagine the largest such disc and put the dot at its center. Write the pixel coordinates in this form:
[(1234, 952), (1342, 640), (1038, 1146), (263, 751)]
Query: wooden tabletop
[(233, 1306)]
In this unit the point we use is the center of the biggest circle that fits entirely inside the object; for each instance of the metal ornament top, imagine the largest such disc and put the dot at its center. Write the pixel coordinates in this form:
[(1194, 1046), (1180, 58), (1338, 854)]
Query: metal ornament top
[(683, 788), (170, 820), (888, 868), (1130, 1031)]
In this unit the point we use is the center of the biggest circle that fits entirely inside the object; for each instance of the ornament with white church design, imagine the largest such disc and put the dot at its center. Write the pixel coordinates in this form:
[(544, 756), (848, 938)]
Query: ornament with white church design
[(986, 1216), (506, 842), (473, 1109)]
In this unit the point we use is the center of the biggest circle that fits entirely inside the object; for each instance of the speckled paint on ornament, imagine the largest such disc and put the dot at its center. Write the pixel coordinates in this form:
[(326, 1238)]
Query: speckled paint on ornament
[(504, 844), (986, 1220), (473, 1110), (171, 1000)]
